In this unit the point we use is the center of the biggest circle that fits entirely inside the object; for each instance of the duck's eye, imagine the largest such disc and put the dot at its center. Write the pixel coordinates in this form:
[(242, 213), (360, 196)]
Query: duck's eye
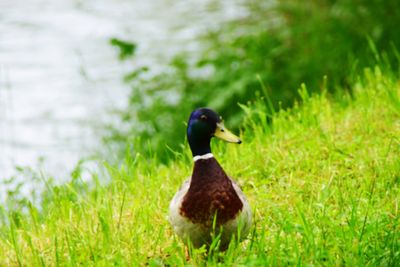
[(203, 117)]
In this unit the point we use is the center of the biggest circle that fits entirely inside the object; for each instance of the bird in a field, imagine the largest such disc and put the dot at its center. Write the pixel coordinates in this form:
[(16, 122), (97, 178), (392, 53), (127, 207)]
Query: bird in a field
[(209, 203)]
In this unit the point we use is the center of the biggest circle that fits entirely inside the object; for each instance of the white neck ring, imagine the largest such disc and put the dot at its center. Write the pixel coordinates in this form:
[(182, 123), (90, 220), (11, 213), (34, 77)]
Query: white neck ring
[(205, 156)]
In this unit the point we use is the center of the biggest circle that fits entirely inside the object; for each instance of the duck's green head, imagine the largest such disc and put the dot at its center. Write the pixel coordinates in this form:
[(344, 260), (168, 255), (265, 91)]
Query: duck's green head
[(203, 124)]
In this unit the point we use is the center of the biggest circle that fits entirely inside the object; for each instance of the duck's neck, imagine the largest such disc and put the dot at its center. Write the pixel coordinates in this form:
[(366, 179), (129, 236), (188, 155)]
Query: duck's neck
[(199, 146)]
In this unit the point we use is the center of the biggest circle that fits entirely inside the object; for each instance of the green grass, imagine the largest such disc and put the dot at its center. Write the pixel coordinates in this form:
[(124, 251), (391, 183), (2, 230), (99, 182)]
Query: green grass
[(322, 178)]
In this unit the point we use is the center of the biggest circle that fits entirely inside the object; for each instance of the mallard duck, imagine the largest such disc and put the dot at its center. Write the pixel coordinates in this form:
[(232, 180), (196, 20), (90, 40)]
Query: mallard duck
[(209, 202)]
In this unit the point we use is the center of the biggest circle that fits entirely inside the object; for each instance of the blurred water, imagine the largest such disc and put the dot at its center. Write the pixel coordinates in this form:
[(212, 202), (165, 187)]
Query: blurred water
[(59, 77)]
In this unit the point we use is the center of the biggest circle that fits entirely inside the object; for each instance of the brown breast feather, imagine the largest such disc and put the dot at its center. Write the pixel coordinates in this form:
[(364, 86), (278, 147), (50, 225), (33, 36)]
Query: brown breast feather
[(210, 193)]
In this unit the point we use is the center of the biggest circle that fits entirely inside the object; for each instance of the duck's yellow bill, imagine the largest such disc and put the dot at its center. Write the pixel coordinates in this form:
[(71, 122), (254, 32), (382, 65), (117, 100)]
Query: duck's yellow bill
[(224, 134)]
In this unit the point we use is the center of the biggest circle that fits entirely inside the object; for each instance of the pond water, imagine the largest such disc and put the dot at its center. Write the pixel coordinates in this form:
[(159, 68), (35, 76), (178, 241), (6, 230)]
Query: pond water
[(59, 77)]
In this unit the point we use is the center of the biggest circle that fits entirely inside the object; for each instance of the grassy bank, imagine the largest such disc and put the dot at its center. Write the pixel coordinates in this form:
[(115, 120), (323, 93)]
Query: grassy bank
[(323, 180)]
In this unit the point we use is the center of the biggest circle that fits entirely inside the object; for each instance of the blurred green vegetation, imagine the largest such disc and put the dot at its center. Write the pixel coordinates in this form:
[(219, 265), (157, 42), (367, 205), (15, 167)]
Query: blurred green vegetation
[(268, 53), (126, 48)]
